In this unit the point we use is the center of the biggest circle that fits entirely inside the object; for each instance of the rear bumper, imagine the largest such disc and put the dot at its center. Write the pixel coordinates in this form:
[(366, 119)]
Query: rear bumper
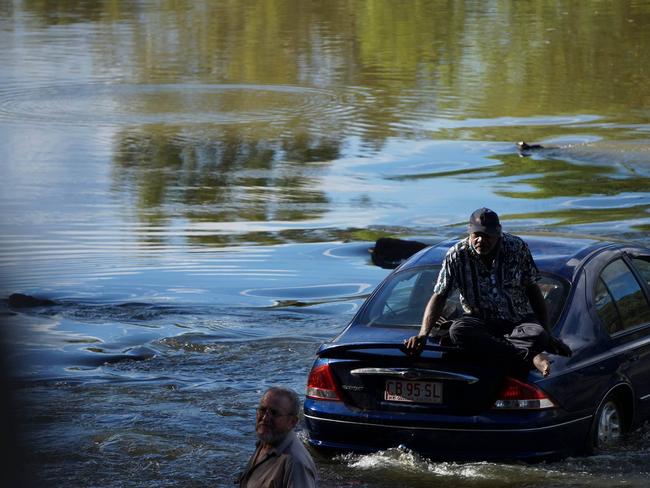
[(500, 435)]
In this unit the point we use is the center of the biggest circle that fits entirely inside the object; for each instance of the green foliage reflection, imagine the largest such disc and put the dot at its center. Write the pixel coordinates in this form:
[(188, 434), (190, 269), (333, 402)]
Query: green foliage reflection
[(226, 178)]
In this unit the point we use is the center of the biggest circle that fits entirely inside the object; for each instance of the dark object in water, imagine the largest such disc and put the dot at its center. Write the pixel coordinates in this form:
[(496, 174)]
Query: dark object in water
[(18, 300), (96, 357), (390, 253), (525, 148)]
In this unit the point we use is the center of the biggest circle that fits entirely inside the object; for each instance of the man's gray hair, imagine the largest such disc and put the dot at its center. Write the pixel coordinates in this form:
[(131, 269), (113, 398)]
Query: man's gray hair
[(288, 393)]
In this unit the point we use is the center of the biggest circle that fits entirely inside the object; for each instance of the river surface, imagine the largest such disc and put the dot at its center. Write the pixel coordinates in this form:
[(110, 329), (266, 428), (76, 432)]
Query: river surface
[(195, 186)]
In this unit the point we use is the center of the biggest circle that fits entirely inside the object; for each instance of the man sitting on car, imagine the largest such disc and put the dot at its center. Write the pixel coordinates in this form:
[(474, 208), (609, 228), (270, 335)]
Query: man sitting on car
[(505, 315)]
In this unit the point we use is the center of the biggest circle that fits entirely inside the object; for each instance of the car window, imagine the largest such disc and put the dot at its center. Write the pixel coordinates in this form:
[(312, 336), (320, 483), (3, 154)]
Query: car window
[(606, 308), (404, 297), (619, 300), (643, 265), (555, 293)]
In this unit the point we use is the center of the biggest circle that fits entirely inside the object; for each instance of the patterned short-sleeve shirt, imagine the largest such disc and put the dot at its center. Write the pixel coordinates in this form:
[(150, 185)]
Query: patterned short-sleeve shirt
[(497, 292)]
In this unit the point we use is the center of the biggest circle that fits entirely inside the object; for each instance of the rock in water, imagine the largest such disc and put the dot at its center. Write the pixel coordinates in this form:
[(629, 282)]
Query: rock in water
[(390, 253), (18, 300)]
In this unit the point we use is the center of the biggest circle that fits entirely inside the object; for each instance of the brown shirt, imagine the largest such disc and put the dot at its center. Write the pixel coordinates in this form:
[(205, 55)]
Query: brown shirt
[(289, 465)]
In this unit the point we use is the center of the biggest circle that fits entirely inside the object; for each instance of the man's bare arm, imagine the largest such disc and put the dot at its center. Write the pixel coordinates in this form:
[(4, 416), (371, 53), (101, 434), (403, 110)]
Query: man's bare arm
[(538, 304), (556, 345), (432, 312)]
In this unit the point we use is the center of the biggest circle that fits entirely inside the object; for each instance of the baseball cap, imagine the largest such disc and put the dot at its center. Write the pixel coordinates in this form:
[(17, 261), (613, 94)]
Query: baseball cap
[(485, 220)]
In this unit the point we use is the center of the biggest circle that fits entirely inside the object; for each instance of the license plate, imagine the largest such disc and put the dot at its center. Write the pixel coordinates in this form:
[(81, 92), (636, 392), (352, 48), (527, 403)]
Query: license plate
[(413, 391)]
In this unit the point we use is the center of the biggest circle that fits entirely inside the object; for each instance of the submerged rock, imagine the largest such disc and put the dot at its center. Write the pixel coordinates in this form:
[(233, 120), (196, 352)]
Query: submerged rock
[(18, 300), (390, 253)]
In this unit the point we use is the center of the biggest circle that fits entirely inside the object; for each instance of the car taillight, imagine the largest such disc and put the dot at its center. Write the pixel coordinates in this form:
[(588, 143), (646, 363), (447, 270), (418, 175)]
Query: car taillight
[(321, 384), (519, 395)]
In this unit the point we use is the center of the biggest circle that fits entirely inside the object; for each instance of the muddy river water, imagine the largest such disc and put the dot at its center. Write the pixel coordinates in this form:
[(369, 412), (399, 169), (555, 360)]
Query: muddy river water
[(195, 184)]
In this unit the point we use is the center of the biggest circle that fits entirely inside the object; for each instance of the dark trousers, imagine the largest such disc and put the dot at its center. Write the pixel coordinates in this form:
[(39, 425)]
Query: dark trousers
[(513, 344)]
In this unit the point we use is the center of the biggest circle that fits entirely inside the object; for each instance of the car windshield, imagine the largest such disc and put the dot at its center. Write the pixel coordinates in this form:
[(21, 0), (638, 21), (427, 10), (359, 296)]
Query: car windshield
[(401, 301)]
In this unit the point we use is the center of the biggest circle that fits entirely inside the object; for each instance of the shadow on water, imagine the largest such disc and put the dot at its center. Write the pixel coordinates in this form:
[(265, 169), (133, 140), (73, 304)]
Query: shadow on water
[(13, 445)]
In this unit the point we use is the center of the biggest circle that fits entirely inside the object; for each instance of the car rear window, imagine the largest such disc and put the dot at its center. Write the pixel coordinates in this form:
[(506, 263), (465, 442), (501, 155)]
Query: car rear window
[(402, 300)]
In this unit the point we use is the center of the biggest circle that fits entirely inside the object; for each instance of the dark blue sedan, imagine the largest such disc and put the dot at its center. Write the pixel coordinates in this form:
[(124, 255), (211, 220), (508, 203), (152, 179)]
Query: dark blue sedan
[(365, 394)]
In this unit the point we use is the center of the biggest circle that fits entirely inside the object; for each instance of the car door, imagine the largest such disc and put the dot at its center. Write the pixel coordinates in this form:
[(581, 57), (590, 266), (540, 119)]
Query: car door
[(641, 264), (622, 302)]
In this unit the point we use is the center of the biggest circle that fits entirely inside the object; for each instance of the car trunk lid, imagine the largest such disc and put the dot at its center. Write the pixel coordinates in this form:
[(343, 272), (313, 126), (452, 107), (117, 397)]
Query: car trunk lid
[(380, 376)]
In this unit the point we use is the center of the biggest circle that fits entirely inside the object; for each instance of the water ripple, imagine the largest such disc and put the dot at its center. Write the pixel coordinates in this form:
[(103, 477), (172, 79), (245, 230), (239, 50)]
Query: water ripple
[(98, 104)]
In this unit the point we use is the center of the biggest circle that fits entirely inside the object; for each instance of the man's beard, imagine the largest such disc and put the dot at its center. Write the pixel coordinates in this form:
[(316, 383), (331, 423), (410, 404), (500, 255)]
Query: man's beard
[(272, 437)]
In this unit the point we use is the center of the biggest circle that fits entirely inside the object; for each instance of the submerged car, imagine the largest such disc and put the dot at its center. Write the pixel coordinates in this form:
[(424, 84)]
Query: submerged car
[(365, 394)]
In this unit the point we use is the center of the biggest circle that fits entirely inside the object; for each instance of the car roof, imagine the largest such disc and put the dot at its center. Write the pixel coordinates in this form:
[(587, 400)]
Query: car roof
[(559, 254)]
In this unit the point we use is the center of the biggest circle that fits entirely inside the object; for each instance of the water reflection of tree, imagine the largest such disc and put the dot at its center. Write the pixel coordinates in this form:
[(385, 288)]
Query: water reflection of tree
[(414, 62), (73, 11), (420, 59), (226, 178), (552, 178), (546, 179)]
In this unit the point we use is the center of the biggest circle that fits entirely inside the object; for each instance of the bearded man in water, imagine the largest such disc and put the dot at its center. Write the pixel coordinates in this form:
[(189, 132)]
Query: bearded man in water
[(280, 459)]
